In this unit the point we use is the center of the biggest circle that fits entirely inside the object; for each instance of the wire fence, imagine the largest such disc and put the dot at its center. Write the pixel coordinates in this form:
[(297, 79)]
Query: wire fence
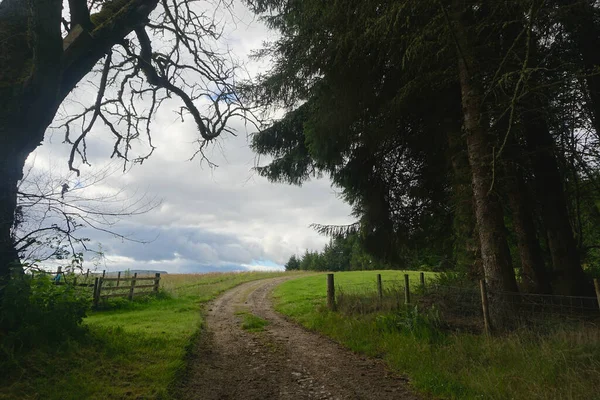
[(462, 307)]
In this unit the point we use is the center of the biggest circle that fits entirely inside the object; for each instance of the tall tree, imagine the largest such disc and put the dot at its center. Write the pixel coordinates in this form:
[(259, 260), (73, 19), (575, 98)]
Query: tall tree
[(145, 51), (377, 92), (581, 22), (495, 254), (384, 142)]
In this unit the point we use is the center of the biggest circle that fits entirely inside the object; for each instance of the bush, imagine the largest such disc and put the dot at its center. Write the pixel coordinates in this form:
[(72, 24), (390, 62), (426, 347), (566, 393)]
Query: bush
[(421, 325), (456, 279), (35, 312)]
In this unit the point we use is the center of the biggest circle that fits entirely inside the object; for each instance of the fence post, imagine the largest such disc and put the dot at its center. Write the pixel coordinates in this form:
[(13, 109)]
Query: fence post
[(131, 289), (406, 290), (379, 288), (87, 275), (104, 274), (597, 286), (156, 282), (330, 293), (484, 305), (422, 277), (100, 282), (96, 296), (118, 278)]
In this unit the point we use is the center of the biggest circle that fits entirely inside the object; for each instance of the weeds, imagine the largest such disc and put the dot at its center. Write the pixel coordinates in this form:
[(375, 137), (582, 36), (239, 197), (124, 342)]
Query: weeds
[(36, 313), (425, 326), (253, 323)]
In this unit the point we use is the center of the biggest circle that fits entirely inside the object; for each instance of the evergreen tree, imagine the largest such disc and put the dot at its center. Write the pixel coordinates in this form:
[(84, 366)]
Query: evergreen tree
[(444, 124)]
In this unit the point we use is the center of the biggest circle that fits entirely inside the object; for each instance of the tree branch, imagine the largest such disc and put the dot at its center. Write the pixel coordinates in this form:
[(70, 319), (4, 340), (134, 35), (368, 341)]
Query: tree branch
[(80, 15)]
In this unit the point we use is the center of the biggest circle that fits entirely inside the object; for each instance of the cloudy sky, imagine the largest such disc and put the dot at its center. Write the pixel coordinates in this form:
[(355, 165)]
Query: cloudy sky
[(209, 219)]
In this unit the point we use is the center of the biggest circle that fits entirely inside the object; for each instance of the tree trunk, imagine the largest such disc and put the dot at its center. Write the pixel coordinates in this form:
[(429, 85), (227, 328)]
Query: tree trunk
[(10, 173), (535, 276), (29, 82), (467, 254), (579, 20), (497, 264), (568, 276)]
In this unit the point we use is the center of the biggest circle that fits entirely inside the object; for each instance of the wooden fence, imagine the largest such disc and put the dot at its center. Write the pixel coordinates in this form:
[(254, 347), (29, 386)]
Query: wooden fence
[(523, 306), (124, 287)]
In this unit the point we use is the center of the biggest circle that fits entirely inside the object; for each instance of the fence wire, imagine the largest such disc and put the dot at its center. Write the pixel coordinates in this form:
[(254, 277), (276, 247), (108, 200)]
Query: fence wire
[(461, 307)]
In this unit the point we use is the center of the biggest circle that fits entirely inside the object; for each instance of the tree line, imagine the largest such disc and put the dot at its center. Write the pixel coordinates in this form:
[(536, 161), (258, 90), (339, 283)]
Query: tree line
[(465, 131), (342, 253)]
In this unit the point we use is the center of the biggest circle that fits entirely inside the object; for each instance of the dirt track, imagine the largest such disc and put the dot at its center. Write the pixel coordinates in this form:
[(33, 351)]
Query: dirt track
[(283, 362)]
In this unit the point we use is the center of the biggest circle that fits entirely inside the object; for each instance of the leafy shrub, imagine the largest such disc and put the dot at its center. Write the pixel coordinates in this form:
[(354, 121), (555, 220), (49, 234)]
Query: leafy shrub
[(425, 326), (35, 312), (456, 279)]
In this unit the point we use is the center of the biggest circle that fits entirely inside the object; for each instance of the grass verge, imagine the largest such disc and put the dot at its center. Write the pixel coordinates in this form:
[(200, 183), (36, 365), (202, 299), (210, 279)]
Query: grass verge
[(252, 323), (522, 365), (131, 352)]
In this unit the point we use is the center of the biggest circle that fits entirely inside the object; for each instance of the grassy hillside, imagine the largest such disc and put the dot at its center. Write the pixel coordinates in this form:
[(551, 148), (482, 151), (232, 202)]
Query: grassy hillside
[(133, 351), (561, 364)]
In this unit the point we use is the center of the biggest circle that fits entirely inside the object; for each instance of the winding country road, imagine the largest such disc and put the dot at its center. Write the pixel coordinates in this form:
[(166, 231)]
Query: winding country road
[(283, 362)]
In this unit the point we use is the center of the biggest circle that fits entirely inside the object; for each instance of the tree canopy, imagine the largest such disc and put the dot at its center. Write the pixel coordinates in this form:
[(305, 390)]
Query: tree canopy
[(467, 130), (342, 253)]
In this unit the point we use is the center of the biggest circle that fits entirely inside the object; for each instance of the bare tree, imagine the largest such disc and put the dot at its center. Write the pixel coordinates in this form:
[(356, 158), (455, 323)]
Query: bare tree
[(144, 51), (55, 213)]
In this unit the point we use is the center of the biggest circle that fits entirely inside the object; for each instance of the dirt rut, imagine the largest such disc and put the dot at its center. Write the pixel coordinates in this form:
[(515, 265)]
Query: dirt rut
[(283, 362)]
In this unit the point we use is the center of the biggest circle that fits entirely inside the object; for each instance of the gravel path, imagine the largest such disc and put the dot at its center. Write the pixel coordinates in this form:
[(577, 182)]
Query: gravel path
[(283, 362)]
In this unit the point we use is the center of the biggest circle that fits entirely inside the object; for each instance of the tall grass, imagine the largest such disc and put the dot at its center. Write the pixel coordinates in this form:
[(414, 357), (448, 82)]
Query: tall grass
[(563, 363), (134, 351)]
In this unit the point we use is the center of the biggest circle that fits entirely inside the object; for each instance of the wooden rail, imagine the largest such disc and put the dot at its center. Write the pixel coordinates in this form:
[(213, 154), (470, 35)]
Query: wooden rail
[(126, 290)]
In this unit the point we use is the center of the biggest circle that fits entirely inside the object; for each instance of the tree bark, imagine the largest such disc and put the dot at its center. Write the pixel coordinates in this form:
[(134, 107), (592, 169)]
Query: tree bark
[(579, 20), (28, 95), (495, 254), (535, 275), (37, 71), (467, 254)]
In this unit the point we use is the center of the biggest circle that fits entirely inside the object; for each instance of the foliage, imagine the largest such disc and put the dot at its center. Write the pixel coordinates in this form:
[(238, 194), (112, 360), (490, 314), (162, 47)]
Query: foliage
[(293, 264), (348, 253), (425, 326), (342, 253), (37, 313), (361, 113)]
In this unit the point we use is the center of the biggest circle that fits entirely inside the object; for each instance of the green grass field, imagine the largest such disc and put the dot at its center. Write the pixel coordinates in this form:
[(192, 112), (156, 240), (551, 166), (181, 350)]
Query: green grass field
[(522, 365), (131, 352)]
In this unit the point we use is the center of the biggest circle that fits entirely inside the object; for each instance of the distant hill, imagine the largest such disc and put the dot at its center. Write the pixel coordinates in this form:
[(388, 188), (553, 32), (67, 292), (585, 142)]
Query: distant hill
[(146, 271), (135, 271)]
